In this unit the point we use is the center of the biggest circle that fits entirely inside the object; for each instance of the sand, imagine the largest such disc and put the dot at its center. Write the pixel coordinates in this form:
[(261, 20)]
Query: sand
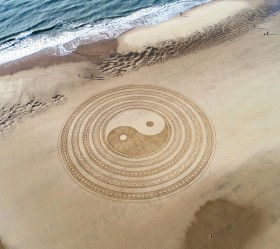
[(194, 20), (234, 203)]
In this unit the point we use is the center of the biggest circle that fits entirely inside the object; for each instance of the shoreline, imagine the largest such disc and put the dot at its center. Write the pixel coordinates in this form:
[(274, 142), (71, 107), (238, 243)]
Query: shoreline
[(109, 46), (43, 59), (101, 30)]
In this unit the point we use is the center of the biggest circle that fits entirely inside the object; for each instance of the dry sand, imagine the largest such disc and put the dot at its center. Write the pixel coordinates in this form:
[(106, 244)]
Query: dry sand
[(234, 204)]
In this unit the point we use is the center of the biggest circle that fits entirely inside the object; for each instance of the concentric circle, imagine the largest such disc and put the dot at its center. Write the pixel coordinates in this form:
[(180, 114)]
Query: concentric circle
[(136, 143)]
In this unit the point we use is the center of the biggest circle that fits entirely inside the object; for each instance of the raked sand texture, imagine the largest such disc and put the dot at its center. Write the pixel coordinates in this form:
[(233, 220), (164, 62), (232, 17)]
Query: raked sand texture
[(90, 163)]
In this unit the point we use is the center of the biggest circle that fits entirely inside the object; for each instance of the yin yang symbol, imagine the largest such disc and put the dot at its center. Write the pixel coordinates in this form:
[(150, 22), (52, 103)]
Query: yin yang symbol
[(137, 132)]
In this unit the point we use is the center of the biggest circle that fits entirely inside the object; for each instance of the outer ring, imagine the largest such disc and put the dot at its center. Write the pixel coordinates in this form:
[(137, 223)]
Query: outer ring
[(117, 195)]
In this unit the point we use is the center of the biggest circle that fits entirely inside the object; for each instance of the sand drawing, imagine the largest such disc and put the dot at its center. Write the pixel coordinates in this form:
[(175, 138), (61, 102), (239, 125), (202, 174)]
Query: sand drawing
[(136, 142)]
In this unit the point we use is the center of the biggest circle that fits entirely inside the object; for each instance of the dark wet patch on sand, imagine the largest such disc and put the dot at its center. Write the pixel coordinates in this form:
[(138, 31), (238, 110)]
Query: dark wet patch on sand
[(223, 224), (1, 245)]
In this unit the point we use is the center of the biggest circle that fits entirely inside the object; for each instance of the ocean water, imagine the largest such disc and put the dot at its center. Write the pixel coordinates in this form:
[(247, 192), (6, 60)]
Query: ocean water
[(59, 26)]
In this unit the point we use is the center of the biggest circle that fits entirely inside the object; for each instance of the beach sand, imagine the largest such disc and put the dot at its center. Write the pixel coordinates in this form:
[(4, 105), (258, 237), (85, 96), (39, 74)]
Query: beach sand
[(228, 67)]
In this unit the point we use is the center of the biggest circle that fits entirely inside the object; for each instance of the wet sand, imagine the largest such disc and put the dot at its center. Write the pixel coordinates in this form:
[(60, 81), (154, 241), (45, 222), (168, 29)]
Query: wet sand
[(230, 69)]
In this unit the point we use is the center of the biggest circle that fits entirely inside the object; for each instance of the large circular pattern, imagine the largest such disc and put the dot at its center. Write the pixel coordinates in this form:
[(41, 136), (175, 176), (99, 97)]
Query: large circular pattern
[(136, 142)]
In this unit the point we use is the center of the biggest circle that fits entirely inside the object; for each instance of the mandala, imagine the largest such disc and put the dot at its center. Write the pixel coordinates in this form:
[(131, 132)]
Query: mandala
[(136, 142)]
